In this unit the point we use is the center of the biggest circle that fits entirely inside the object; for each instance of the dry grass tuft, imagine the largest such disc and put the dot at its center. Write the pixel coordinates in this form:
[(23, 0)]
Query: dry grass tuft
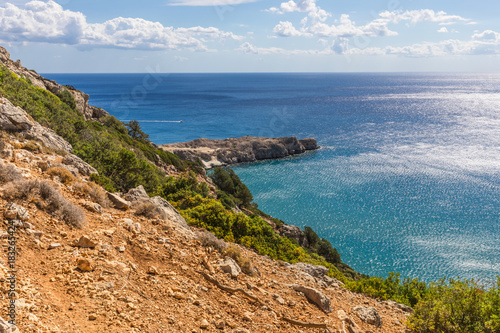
[(235, 253), (64, 174), (148, 209), (47, 198), (208, 239), (93, 191), (9, 173)]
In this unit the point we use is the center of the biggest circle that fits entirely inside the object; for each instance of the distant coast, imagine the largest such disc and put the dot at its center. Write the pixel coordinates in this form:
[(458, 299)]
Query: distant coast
[(216, 152)]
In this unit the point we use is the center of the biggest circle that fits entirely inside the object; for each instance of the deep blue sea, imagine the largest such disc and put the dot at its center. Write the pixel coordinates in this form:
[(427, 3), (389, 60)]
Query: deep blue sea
[(408, 177)]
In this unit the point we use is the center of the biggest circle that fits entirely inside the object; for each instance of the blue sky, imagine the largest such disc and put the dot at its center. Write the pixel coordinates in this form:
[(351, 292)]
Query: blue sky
[(79, 36)]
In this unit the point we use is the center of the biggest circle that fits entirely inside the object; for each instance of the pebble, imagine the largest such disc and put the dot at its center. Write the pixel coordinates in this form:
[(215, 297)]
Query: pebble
[(85, 265), (204, 324)]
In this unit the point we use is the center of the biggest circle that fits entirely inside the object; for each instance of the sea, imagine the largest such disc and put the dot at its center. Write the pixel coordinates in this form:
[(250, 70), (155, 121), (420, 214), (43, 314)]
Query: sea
[(407, 179)]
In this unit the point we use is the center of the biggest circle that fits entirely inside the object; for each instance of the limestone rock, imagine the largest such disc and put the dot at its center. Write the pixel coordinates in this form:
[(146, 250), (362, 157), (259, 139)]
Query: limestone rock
[(13, 118), (85, 241), (230, 267), (316, 271), (368, 314), (95, 112), (5, 327), (48, 137), (83, 167), (238, 150), (169, 210), (132, 226), (293, 232), (85, 265), (92, 207), (14, 211), (316, 297), (165, 210), (342, 315), (403, 307), (136, 194), (153, 270), (117, 201), (204, 324)]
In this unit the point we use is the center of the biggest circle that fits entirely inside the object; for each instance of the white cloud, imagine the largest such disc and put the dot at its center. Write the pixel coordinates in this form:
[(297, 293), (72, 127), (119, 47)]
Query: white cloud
[(485, 43), (251, 49), (302, 6), (421, 15), (345, 28), (487, 36), (286, 29), (443, 30), (42, 22), (314, 23), (209, 2), (48, 22)]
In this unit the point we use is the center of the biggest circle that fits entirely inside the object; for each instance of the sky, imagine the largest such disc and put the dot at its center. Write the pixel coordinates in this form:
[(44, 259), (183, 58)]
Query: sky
[(124, 36)]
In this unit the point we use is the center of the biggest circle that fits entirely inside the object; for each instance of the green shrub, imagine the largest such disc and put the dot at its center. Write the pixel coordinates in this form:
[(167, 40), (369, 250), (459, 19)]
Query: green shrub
[(458, 306), (408, 292), (67, 98), (229, 182)]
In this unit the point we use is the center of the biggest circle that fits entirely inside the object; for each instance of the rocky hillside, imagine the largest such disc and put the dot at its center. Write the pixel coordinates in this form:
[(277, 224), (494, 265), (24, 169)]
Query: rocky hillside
[(87, 260), (81, 99), (215, 152), (107, 266)]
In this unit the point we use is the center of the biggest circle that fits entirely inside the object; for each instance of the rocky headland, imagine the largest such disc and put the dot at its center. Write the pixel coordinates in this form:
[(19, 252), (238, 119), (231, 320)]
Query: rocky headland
[(215, 152)]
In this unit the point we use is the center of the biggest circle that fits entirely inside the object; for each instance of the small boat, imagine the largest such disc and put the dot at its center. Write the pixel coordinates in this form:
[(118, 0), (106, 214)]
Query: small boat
[(180, 121)]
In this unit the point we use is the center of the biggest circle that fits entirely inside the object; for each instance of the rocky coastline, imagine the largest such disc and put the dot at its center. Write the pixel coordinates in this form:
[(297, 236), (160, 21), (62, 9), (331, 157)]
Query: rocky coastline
[(216, 152)]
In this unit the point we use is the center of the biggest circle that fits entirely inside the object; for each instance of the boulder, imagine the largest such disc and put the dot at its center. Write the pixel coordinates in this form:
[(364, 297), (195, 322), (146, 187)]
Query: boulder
[(13, 118), (5, 327), (136, 194), (85, 241), (316, 297), (83, 167), (129, 224), (316, 271), (16, 212), (117, 201), (165, 210), (368, 315), (92, 206), (230, 267), (85, 265), (171, 213), (48, 137), (293, 232)]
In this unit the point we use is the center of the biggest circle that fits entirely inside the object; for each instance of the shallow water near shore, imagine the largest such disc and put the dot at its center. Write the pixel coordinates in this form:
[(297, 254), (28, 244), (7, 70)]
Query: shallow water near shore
[(408, 176)]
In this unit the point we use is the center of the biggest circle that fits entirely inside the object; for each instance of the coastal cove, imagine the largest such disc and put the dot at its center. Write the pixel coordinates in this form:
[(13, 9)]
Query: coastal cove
[(407, 179)]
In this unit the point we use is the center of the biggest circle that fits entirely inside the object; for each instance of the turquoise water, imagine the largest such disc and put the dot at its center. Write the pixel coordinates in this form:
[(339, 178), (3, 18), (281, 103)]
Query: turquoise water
[(408, 176)]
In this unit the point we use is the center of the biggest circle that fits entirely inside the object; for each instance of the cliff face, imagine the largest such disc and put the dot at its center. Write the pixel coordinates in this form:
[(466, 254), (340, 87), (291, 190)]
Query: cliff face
[(214, 152), (81, 99)]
